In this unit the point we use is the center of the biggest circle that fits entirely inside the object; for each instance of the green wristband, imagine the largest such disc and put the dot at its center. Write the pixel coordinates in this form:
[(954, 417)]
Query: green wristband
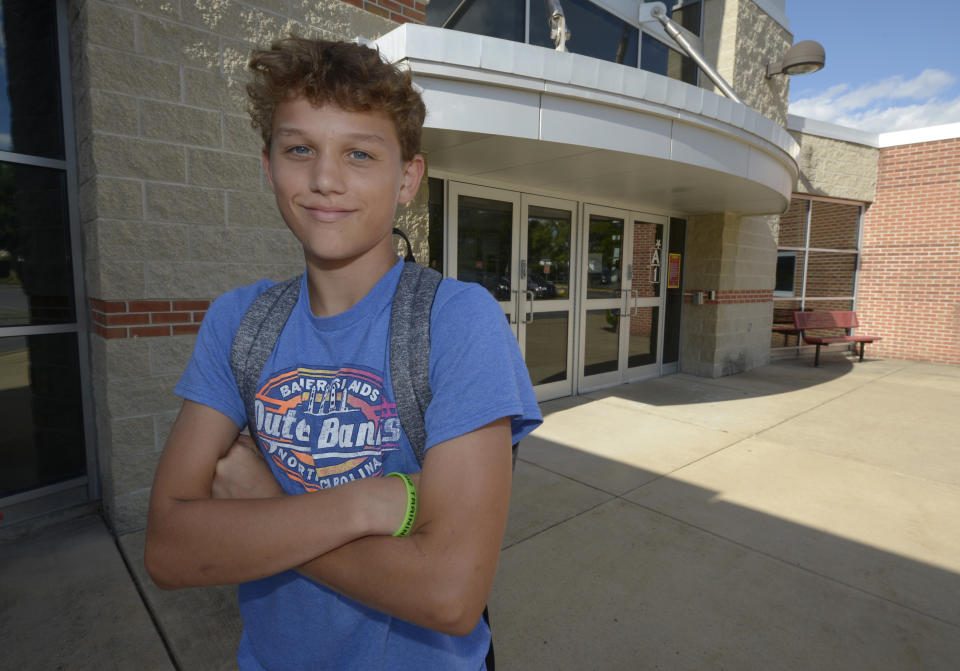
[(407, 525)]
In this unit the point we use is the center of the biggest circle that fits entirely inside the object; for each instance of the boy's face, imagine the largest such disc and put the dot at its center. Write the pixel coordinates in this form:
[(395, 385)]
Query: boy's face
[(338, 177)]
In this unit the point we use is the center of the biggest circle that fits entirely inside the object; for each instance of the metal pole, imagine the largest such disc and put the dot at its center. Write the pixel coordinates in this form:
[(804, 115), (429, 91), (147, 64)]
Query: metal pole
[(659, 12)]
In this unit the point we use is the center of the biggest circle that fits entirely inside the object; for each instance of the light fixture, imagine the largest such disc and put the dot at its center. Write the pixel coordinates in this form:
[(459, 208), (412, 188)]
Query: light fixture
[(800, 59)]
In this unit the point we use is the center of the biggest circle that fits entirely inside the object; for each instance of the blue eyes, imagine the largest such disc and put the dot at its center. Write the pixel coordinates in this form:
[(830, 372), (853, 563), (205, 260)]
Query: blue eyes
[(302, 151)]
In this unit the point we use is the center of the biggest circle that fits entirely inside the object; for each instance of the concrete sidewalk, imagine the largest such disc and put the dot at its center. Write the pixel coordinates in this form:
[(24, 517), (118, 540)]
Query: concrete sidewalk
[(785, 518)]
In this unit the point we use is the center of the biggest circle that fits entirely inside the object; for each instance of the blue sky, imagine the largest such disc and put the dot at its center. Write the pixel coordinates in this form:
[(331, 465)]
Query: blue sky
[(890, 65)]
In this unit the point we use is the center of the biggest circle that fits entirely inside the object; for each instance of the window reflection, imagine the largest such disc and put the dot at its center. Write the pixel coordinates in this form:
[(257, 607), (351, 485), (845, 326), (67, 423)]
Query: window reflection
[(42, 437), (548, 252), (484, 243), (593, 32), (30, 117), (36, 275), (604, 256), (493, 18)]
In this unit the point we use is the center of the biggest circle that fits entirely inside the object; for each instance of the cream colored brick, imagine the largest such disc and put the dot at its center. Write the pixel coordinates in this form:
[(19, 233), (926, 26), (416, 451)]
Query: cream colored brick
[(127, 511), (233, 20), (143, 159), (119, 198), (332, 15), (835, 168), (226, 245), (141, 395), (165, 40), (181, 124), (196, 280), (138, 241), (167, 8), (117, 278), (125, 358), (110, 26), (214, 91), (239, 136), (253, 208), (224, 170), (184, 204), (135, 433), (125, 73), (114, 113), (169, 356), (369, 25), (277, 6)]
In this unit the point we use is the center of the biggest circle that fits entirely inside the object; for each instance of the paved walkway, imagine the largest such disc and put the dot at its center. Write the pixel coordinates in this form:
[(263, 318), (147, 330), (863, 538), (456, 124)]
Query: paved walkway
[(785, 518)]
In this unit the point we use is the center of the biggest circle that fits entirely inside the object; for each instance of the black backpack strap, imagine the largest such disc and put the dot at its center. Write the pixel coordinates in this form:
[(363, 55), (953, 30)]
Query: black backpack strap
[(256, 337), (410, 350)]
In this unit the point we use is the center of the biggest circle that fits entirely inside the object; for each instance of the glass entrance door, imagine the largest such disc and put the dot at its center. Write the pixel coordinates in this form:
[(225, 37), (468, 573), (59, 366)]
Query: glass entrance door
[(520, 250), (545, 330), (621, 299)]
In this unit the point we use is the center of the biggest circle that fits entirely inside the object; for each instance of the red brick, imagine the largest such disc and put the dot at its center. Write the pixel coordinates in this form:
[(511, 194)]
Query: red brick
[(126, 319), (185, 329), (149, 306), (108, 306), (191, 305), (169, 317)]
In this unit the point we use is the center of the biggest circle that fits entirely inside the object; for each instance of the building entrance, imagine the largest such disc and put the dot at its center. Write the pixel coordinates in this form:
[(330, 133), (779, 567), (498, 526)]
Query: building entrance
[(580, 285)]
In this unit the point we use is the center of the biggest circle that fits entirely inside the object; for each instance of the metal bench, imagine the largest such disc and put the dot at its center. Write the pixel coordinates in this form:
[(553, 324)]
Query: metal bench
[(826, 320)]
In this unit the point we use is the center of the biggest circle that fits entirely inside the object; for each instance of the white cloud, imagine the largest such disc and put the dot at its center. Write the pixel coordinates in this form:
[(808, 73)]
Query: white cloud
[(887, 105)]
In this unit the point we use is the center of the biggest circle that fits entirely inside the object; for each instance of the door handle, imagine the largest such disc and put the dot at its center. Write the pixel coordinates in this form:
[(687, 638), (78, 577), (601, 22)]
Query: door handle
[(515, 313), (528, 318)]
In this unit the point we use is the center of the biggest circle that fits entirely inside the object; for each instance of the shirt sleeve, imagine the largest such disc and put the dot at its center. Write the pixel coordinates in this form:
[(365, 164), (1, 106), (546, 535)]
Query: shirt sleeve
[(208, 378), (477, 374)]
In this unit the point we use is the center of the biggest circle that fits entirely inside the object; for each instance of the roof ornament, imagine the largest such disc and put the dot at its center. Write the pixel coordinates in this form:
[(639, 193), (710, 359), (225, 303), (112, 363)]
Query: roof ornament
[(558, 24)]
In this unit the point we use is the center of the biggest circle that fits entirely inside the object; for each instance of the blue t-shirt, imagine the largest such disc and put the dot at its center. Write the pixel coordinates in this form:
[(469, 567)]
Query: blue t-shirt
[(325, 414)]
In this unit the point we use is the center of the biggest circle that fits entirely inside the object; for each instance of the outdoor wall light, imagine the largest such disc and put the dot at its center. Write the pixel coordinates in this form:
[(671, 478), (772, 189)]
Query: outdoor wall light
[(800, 59)]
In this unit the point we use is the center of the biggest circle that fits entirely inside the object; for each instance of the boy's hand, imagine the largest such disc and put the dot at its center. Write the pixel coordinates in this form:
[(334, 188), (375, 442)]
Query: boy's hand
[(242, 473)]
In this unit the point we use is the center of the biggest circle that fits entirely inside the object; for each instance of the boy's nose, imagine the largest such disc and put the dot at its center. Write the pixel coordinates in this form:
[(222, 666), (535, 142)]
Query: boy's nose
[(327, 175)]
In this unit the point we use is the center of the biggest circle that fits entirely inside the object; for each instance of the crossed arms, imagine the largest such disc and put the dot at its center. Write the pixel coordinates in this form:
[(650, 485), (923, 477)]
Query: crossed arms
[(218, 516)]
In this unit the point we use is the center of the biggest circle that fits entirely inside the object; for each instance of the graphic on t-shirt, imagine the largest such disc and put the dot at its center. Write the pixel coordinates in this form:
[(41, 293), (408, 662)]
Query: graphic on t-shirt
[(322, 428)]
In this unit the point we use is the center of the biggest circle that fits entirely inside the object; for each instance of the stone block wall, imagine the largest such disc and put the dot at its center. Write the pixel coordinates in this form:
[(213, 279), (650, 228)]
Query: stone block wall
[(735, 257), (174, 205), (836, 168), (740, 39), (909, 285)]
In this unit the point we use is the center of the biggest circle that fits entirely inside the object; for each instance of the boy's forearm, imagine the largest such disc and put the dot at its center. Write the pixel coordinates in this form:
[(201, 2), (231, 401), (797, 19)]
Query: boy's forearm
[(210, 542), (411, 578)]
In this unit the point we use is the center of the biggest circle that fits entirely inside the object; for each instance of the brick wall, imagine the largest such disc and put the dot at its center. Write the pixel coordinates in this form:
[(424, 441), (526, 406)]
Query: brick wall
[(909, 291), (400, 11)]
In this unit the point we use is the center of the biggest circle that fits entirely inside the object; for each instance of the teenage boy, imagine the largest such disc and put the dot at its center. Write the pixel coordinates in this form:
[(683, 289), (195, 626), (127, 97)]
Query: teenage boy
[(306, 525)]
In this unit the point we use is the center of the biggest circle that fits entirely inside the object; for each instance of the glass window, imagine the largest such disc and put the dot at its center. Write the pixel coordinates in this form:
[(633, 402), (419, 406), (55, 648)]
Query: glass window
[(793, 224), (787, 280), (36, 273), (485, 243), (30, 117), (830, 274), (593, 32), (834, 225), (549, 252), (493, 18), (42, 438), (604, 256), (657, 57)]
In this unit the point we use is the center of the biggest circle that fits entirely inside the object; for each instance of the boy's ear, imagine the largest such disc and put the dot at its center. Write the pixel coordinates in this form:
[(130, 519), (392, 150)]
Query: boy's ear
[(412, 176), (265, 157)]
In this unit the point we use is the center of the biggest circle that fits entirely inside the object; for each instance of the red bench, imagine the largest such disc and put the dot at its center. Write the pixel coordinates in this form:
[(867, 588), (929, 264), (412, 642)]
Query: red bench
[(830, 320)]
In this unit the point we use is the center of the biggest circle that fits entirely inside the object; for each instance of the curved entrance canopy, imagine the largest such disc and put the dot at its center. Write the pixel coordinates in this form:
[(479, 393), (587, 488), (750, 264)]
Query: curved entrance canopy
[(517, 114)]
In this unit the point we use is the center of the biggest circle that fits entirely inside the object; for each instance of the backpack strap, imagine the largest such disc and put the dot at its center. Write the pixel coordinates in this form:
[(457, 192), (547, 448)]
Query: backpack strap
[(410, 350), (256, 337)]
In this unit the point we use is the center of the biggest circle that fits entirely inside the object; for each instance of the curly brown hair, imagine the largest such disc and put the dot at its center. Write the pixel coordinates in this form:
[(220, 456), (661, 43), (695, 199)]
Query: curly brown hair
[(350, 76)]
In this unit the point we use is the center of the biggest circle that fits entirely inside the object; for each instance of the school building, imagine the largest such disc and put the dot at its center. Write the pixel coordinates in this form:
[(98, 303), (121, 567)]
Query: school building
[(632, 219)]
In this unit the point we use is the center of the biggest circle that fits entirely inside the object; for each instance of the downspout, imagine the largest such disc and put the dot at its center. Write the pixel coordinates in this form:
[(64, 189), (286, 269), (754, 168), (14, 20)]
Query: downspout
[(650, 11)]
